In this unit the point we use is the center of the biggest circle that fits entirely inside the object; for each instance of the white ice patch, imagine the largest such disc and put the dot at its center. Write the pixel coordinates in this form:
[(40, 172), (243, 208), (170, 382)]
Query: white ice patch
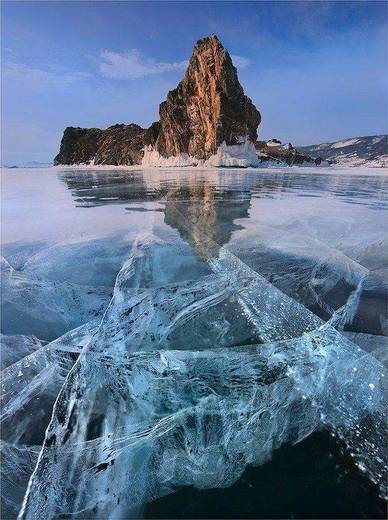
[(153, 159), (241, 155)]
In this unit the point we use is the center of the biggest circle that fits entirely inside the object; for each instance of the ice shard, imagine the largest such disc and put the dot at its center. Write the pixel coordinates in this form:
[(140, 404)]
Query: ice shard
[(136, 419)]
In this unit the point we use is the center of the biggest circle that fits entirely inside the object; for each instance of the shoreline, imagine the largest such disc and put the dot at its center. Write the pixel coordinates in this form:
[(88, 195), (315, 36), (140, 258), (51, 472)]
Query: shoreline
[(335, 169)]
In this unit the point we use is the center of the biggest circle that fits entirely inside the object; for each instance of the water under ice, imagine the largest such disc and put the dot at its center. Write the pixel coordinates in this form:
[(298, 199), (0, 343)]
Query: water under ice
[(208, 354)]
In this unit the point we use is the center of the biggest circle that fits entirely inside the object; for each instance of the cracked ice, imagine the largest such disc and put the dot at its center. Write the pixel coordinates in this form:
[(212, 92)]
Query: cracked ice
[(186, 379)]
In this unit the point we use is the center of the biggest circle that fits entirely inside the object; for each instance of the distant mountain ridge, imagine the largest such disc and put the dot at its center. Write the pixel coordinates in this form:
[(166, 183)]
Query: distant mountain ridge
[(371, 150), (28, 164)]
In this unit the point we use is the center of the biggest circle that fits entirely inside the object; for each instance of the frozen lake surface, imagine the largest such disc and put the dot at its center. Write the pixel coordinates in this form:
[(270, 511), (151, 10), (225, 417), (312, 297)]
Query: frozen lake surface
[(194, 343)]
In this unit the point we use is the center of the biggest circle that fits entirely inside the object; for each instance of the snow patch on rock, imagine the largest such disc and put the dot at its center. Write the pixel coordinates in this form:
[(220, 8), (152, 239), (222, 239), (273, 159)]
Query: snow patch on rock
[(153, 159), (342, 144), (241, 155)]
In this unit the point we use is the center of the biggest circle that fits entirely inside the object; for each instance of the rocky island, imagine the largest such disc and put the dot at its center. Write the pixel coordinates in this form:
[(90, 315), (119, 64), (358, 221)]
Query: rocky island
[(206, 120)]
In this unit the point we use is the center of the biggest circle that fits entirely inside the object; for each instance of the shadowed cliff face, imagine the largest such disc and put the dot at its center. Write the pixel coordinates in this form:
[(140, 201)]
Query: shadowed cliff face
[(118, 144), (208, 106), (78, 145)]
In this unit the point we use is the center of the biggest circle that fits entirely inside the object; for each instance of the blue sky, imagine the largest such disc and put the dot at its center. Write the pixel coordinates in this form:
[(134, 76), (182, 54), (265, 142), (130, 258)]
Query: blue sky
[(317, 71)]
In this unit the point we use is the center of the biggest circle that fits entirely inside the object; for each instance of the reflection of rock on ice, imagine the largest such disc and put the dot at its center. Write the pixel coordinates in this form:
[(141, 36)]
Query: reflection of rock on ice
[(204, 218)]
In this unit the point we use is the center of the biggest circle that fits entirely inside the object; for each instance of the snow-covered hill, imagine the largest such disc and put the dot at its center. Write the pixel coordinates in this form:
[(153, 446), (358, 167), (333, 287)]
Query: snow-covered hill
[(369, 151)]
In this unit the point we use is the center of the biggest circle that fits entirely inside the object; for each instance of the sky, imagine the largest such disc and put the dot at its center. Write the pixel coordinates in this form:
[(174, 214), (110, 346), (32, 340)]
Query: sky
[(317, 71)]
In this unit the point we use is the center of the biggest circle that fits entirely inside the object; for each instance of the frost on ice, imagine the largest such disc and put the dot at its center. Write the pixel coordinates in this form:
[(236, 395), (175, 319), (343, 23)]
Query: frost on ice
[(191, 373)]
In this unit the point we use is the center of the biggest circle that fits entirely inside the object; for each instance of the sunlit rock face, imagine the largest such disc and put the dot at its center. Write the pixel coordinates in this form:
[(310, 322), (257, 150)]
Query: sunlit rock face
[(208, 106)]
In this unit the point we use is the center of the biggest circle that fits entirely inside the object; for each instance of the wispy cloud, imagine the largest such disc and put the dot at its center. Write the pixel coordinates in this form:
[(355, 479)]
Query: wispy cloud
[(240, 62), (131, 64), (19, 72)]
